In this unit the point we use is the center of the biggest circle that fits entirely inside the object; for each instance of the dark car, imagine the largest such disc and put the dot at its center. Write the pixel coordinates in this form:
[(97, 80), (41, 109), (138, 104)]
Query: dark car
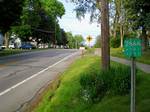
[(27, 46)]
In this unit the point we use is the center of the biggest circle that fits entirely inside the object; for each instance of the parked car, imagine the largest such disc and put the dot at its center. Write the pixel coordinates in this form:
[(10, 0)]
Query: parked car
[(11, 46), (27, 46), (3, 47)]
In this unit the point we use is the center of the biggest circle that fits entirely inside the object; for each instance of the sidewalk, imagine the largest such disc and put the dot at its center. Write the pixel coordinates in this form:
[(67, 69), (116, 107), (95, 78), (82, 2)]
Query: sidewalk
[(141, 66)]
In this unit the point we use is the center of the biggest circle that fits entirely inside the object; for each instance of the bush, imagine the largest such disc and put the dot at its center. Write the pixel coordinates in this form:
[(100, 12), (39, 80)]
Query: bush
[(121, 82), (95, 85), (115, 42)]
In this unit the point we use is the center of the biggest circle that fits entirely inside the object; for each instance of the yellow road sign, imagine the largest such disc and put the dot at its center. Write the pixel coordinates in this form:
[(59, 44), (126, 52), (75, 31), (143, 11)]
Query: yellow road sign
[(89, 38)]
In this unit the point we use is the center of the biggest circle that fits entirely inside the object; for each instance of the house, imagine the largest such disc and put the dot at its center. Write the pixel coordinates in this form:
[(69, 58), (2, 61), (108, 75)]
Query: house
[(1, 40)]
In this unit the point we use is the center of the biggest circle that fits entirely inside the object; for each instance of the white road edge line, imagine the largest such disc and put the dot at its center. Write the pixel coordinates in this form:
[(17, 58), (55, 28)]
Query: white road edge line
[(35, 75)]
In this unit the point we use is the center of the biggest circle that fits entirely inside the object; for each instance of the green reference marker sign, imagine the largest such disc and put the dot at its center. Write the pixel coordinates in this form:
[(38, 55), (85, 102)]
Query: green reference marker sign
[(133, 47)]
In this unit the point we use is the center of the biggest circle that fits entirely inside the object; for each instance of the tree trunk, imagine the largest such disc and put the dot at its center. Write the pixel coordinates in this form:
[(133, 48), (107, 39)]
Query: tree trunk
[(105, 35), (121, 35), (144, 39), (115, 26), (6, 38)]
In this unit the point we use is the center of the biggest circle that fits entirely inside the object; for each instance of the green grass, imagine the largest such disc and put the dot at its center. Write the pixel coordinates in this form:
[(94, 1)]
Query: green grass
[(118, 52), (67, 98), (90, 50), (7, 52)]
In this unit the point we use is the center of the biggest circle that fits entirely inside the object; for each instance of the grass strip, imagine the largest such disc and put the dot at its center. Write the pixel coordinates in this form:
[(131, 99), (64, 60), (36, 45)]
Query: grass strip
[(8, 52), (67, 98)]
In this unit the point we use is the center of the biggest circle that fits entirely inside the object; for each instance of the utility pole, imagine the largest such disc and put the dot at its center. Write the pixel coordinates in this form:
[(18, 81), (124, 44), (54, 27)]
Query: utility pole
[(105, 34), (55, 35)]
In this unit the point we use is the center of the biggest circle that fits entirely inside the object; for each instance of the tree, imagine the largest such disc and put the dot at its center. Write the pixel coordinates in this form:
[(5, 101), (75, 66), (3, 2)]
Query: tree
[(40, 17), (22, 31), (10, 12), (71, 40), (94, 7), (9, 15), (74, 41), (78, 40), (64, 37), (105, 35), (53, 8), (139, 17), (119, 24)]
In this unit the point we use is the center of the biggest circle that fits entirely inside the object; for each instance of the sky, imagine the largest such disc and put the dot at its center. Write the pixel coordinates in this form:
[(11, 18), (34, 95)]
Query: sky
[(70, 23)]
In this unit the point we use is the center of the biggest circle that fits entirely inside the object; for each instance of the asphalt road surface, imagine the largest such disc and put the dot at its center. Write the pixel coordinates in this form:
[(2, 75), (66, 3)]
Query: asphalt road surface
[(21, 76)]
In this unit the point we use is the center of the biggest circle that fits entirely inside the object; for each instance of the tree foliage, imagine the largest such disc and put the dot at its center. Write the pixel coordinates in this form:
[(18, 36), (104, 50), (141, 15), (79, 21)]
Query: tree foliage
[(10, 12), (79, 40), (74, 41), (87, 6), (53, 8), (138, 13), (41, 17), (139, 16)]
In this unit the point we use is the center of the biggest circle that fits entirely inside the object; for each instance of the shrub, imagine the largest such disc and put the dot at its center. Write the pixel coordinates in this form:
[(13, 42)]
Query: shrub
[(95, 85), (121, 82)]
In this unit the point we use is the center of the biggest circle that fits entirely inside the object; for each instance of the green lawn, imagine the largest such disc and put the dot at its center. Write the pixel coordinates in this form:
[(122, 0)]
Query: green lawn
[(118, 52), (67, 97)]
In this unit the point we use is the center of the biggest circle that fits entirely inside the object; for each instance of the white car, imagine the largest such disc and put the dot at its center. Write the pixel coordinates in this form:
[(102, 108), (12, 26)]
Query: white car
[(11, 46), (2, 47)]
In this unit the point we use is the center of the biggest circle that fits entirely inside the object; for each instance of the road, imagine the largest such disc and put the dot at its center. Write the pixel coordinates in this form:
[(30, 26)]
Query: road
[(21, 76)]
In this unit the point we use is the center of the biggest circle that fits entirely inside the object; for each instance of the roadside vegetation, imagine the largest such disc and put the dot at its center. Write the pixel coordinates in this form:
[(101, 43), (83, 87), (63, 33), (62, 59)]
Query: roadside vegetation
[(86, 88), (35, 22), (8, 52)]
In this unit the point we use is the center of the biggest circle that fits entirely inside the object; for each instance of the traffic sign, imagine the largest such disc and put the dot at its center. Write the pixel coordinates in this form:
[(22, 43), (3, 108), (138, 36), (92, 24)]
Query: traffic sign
[(89, 38), (133, 47)]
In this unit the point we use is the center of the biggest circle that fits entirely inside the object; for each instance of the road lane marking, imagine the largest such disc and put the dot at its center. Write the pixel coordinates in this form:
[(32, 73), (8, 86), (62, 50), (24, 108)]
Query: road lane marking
[(35, 75)]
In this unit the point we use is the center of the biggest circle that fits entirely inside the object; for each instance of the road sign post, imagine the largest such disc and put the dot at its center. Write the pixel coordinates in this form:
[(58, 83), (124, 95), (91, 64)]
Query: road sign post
[(133, 49), (133, 85)]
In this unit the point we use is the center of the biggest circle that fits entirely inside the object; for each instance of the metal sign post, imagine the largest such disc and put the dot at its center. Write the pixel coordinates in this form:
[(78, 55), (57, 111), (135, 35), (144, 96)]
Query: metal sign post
[(133, 84), (133, 49)]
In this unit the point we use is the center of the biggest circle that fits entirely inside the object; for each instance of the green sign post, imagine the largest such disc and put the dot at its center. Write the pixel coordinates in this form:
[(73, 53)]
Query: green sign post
[(133, 49)]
